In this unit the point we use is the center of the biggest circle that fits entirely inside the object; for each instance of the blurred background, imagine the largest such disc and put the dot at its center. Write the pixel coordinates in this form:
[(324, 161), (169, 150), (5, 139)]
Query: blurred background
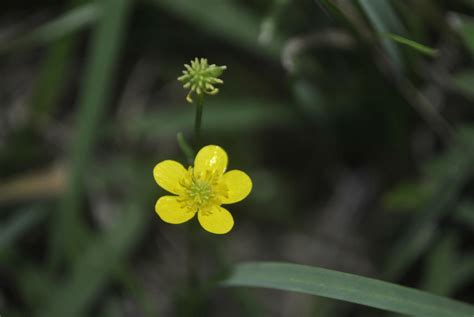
[(360, 145)]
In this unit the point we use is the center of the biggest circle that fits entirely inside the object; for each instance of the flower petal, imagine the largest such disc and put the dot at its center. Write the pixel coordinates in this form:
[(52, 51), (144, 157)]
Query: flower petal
[(218, 221), (170, 210), (168, 175), (239, 185), (211, 158)]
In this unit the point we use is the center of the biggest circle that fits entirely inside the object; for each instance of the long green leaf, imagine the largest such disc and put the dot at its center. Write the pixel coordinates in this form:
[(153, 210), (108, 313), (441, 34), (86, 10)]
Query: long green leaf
[(384, 20), (104, 53), (332, 8), (224, 19), (102, 260), (410, 43), (72, 21), (19, 225), (240, 115), (443, 258), (466, 30), (464, 82), (346, 287), (448, 174), (51, 81), (465, 214)]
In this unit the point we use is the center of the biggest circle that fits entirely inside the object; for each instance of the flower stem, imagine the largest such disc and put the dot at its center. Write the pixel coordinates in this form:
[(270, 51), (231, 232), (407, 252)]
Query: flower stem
[(193, 245), (185, 147), (198, 120)]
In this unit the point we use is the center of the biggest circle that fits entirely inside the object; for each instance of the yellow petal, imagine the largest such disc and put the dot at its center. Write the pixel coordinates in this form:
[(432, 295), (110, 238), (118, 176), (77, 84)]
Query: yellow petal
[(168, 175), (170, 210), (218, 220), (239, 185), (211, 158)]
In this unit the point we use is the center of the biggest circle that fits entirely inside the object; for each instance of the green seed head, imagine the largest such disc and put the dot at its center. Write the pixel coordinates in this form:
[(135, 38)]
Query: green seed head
[(200, 78)]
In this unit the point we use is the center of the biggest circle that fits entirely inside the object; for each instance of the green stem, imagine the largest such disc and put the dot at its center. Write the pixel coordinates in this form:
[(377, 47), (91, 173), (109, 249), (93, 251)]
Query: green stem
[(192, 252), (198, 120), (185, 148)]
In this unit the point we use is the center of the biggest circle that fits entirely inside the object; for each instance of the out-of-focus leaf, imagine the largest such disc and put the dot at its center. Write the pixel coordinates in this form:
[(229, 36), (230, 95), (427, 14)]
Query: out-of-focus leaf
[(54, 68), (447, 257), (407, 196), (346, 287), (384, 20), (465, 214), (36, 185), (415, 45), (21, 223), (465, 270), (442, 259), (32, 282), (464, 82), (225, 19), (466, 30), (238, 115), (309, 98), (448, 175), (96, 85), (95, 267), (72, 21), (136, 291), (270, 22), (51, 80), (113, 308), (333, 8)]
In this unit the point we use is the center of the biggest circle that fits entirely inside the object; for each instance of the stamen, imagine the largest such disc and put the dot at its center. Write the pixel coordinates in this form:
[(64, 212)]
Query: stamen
[(202, 191)]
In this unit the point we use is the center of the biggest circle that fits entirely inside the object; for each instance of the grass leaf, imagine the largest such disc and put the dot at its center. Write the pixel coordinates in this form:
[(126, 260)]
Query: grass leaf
[(415, 45), (346, 287), (464, 82), (102, 260), (97, 82), (21, 223), (466, 30), (225, 19), (384, 20), (70, 22)]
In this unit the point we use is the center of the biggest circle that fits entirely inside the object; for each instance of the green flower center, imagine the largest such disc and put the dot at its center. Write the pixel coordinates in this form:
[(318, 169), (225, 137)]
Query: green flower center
[(202, 192)]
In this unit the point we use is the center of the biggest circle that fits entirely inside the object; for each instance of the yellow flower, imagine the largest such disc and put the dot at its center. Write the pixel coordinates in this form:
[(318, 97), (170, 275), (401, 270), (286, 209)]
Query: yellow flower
[(201, 189)]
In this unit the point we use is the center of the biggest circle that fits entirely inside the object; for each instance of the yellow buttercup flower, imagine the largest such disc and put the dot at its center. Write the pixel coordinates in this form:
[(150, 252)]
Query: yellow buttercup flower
[(201, 189)]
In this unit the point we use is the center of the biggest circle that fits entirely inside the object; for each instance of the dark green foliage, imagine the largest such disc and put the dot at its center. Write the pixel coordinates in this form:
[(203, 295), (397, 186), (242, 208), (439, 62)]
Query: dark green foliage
[(355, 120)]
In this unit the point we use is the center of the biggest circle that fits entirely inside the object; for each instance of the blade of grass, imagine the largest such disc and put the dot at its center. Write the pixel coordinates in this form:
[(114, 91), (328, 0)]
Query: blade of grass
[(19, 225), (50, 82), (447, 257), (223, 19), (346, 287), (449, 174), (332, 9), (101, 261), (94, 95), (410, 43), (384, 20), (444, 258), (55, 64), (342, 15), (463, 82), (418, 236), (239, 116), (72, 21), (465, 28), (143, 299), (465, 214)]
